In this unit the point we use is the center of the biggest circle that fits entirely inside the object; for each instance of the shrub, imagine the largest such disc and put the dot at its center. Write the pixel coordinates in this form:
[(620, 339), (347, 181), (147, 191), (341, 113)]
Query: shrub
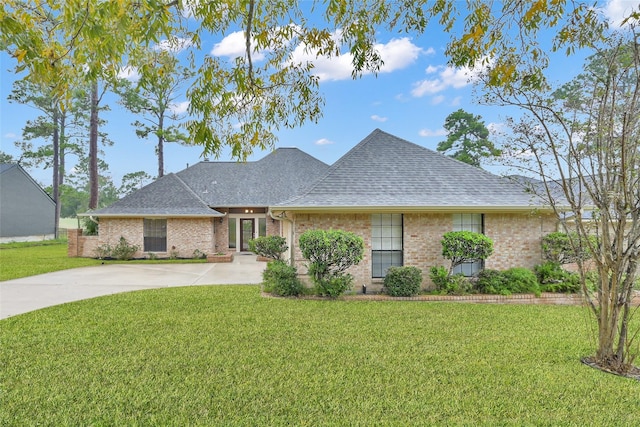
[(402, 281), (123, 250), (90, 226), (522, 281), (553, 278), (269, 246), (330, 253), (512, 281), (464, 246), (280, 278), (103, 251), (563, 248), (492, 282), (334, 286), (198, 254), (447, 284)]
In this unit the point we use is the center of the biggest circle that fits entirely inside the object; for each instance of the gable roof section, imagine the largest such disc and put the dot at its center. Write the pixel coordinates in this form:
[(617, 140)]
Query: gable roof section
[(387, 172), (280, 175), (7, 167), (167, 196)]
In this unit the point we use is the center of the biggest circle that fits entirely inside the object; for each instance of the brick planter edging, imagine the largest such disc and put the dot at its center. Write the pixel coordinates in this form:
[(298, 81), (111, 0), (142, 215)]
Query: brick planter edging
[(220, 258), (546, 298)]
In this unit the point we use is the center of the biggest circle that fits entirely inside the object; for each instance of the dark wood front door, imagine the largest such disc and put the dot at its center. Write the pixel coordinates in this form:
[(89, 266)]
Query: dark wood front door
[(248, 229)]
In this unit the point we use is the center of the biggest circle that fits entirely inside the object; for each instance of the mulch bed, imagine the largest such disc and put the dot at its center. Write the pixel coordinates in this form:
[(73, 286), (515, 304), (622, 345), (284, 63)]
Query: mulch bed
[(634, 372)]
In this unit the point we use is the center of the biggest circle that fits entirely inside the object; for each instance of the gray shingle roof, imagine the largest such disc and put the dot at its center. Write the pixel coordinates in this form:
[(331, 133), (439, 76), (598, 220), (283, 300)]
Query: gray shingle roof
[(387, 171), (167, 196), (277, 177), (206, 185)]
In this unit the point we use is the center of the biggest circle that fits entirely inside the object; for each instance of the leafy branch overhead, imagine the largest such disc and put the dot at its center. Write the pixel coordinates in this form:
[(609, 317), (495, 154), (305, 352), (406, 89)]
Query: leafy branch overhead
[(241, 102)]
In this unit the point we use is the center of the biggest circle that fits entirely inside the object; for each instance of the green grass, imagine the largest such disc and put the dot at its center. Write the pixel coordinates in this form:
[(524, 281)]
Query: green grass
[(31, 258), (22, 259), (224, 355)]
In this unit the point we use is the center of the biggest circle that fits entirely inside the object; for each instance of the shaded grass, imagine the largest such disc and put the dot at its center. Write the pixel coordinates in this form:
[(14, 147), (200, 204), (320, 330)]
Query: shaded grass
[(225, 356), (30, 258)]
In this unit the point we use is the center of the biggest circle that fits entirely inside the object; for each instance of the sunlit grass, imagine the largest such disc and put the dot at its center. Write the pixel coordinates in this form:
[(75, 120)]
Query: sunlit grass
[(226, 356), (30, 258)]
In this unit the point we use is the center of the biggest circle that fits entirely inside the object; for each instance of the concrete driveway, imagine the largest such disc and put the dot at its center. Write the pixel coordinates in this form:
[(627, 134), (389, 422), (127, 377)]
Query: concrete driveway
[(32, 293)]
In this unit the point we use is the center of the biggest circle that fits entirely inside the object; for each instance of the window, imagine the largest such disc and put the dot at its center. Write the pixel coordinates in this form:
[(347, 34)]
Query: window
[(386, 243), (232, 233), (468, 222), (262, 226), (155, 235)]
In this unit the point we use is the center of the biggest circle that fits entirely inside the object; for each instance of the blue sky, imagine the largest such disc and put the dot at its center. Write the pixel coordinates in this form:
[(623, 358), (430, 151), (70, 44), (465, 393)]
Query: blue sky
[(410, 98)]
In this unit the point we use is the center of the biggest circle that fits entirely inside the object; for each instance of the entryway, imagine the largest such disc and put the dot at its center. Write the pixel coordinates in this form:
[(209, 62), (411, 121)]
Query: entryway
[(247, 232)]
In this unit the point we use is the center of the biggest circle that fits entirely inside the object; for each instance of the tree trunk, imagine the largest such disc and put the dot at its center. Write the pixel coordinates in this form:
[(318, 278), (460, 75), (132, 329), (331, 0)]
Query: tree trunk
[(161, 147), (56, 163), (93, 148), (61, 149)]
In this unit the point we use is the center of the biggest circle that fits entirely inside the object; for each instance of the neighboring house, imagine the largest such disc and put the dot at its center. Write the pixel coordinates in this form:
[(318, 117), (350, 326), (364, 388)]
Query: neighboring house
[(399, 197), (26, 210)]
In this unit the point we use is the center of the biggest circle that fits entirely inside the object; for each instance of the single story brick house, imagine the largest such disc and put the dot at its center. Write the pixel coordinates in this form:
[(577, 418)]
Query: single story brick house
[(398, 196)]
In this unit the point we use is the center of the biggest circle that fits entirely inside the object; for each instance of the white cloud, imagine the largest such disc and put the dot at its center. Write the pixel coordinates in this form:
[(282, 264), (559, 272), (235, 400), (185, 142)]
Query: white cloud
[(323, 141), (180, 107), (175, 45), (377, 118), (497, 128), (456, 101), (234, 46), (447, 77), (617, 10), (429, 132), (437, 100), (396, 55), (10, 135), (130, 73)]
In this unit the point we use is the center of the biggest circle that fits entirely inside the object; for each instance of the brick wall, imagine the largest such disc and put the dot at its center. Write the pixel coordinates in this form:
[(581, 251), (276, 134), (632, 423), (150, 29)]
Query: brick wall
[(516, 240), (184, 234)]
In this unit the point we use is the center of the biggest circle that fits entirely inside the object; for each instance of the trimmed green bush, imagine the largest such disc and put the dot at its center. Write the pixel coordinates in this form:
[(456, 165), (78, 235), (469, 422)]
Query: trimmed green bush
[(330, 252), (280, 278), (563, 248), (446, 284), (465, 246), (512, 281), (334, 286), (553, 278), (269, 246), (122, 251), (492, 282), (522, 281), (402, 281)]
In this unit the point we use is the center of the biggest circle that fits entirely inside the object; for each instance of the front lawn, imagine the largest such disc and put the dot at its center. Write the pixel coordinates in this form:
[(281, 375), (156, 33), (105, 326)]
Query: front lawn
[(30, 258), (224, 355)]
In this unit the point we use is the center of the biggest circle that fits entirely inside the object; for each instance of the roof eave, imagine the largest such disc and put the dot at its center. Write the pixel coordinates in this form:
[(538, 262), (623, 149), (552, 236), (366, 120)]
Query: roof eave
[(452, 208), (142, 215)]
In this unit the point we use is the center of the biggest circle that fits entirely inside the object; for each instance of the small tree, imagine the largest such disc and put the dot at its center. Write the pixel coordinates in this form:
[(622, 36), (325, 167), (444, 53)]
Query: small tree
[(329, 254), (567, 248), (465, 246), (269, 246)]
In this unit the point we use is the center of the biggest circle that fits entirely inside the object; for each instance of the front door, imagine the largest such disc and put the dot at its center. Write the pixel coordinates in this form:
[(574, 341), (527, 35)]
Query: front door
[(248, 228)]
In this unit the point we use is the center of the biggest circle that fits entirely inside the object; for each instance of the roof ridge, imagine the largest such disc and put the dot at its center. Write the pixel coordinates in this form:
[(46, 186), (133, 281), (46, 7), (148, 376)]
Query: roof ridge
[(335, 165), (190, 190)]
